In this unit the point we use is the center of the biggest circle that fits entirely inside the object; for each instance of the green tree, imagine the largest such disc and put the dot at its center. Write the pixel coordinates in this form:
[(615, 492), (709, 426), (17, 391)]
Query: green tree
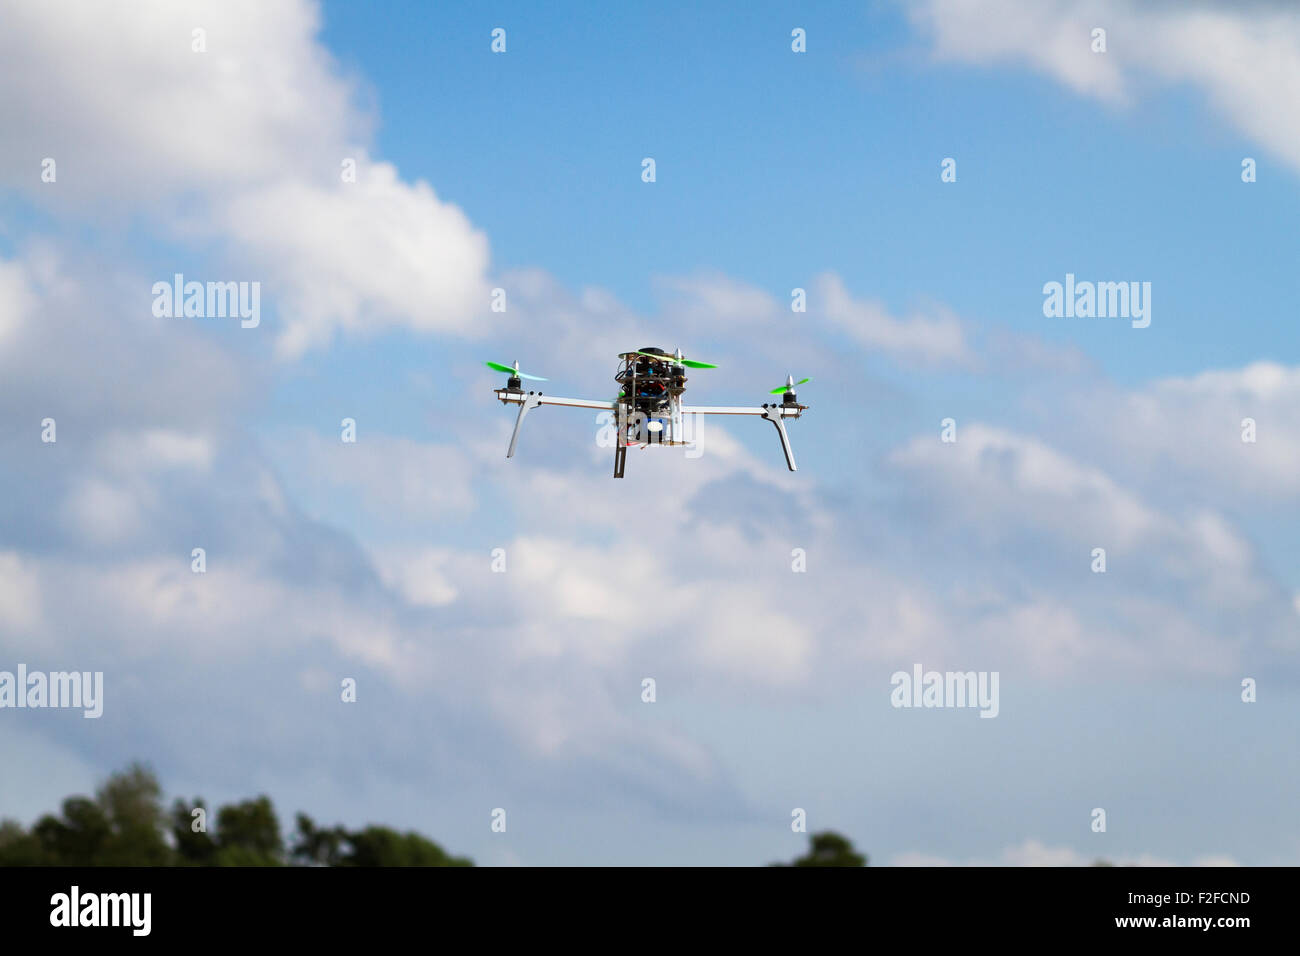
[(18, 847), (317, 847), (248, 834), (828, 849), (83, 832), (194, 849), (132, 802), (380, 846), (126, 825), (122, 826), (372, 846)]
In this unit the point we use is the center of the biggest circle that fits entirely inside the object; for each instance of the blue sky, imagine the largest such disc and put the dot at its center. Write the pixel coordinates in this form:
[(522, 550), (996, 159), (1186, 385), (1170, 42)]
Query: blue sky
[(775, 170), (774, 165)]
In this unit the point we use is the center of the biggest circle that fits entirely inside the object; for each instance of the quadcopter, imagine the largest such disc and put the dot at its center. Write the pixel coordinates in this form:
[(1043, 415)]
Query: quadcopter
[(649, 409)]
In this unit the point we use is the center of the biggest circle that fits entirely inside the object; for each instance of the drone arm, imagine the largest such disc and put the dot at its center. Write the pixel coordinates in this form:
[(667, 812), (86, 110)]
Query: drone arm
[(518, 398), (776, 413), (576, 402), (529, 400), (782, 411)]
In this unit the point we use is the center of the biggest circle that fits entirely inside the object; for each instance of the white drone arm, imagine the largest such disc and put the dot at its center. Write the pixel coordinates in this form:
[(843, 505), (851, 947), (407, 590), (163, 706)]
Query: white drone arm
[(775, 413), (527, 400), (520, 398), (574, 402), (784, 411)]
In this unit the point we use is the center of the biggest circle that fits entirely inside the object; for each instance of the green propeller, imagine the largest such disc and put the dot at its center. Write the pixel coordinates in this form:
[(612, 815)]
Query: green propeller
[(789, 385), (689, 363), (498, 367)]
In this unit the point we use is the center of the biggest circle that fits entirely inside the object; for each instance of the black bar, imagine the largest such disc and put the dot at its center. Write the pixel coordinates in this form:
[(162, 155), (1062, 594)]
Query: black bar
[(971, 905)]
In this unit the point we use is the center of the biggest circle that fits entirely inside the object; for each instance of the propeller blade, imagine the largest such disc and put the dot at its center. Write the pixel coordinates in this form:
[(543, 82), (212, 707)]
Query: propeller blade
[(689, 363), (786, 388), (511, 370)]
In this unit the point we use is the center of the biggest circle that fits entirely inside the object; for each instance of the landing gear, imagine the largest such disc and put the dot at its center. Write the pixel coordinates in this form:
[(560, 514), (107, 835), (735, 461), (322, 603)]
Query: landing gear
[(774, 414), (532, 400)]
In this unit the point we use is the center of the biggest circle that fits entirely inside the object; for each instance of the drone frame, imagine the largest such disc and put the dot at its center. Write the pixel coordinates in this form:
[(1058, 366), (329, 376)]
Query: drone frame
[(629, 417)]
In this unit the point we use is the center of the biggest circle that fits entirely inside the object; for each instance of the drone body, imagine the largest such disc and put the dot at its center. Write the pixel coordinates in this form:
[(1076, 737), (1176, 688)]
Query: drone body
[(649, 410)]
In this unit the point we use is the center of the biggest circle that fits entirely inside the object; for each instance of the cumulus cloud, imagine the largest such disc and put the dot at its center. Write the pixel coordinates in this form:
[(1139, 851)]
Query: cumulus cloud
[(722, 303), (1178, 586), (931, 337), (143, 116), (935, 571), (928, 338), (151, 465), (20, 594), (392, 477), (1244, 58), (361, 257), (1185, 433), (242, 145), (16, 302), (544, 660)]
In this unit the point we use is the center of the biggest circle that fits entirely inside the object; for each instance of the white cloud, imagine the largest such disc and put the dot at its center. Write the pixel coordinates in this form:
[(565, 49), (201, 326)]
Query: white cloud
[(20, 594), (359, 257), (930, 339), (417, 574), (1179, 587), (718, 303), (392, 478), (238, 609), (85, 355), (151, 462), (1005, 480), (243, 144), (103, 512), (1185, 433), (595, 607), (749, 637), (142, 116), (159, 448), (16, 301), (1245, 58), (721, 300)]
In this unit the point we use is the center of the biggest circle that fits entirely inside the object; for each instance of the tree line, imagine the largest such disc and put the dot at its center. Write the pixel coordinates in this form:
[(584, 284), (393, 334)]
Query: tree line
[(127, 824)]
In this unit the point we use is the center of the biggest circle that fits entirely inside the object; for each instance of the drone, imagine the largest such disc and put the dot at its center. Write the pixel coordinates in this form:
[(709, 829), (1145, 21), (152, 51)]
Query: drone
[(648, 409)]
